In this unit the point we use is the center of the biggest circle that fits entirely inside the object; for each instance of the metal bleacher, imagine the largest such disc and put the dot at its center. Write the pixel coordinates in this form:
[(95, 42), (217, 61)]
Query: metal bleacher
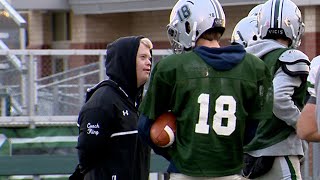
[(40, 97), (38, 130)]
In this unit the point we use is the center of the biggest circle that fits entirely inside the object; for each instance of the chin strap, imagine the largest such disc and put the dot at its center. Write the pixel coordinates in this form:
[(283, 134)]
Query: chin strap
[(194, 35)]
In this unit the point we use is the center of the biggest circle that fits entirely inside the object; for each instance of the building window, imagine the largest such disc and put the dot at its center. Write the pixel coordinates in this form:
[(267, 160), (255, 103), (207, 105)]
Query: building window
[(61, 26)]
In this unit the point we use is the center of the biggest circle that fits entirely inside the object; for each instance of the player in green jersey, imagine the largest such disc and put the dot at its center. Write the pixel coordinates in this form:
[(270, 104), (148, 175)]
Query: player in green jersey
[(280, 28), (213, 91)]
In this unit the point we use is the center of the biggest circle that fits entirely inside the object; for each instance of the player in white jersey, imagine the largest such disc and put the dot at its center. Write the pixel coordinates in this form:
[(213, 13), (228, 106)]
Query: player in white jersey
[(308, 123), (315, 63)]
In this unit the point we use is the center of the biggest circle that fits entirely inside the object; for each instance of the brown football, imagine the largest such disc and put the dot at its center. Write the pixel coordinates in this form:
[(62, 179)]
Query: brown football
[(163, 130)]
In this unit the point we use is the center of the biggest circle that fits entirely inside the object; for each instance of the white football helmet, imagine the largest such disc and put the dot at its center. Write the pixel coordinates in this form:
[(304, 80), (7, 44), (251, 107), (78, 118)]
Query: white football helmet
[(255, 10), (281, 19), (246, 30), (191, 18)]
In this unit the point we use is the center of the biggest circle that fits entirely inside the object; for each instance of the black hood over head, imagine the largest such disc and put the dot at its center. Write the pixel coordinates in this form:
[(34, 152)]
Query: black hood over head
[(121, 63)]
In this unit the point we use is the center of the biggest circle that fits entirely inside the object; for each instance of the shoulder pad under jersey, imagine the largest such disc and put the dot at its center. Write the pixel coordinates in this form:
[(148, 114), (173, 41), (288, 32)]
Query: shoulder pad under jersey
[(295, 62)]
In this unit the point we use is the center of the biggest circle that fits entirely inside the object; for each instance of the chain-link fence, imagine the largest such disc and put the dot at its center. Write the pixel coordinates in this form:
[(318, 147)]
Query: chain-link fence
[(46, 88)]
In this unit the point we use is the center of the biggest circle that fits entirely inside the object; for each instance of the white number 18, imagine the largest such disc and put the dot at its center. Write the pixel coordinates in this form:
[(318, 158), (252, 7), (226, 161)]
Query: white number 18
[(227, 113)]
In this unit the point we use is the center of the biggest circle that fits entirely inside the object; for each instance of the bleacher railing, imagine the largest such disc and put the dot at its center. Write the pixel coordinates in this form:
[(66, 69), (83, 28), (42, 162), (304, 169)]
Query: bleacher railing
[(46, 88), (41, 93), (50, 82)]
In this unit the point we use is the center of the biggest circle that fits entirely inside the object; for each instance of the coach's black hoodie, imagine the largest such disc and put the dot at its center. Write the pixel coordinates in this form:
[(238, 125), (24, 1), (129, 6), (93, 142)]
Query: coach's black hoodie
[(109, 146)]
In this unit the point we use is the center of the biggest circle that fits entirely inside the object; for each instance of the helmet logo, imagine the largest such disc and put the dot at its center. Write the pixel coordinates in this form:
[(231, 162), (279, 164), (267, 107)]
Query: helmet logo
[(184, 13), (287, 22), (219, 23), (267, 24)]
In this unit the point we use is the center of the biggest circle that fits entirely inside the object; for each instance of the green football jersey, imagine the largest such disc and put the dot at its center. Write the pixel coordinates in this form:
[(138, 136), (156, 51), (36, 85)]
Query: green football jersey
[(276, 130), (212, 108)]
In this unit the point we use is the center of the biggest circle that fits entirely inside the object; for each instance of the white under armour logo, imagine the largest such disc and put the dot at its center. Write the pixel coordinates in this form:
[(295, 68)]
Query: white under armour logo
[(125, 112), (114, 177)]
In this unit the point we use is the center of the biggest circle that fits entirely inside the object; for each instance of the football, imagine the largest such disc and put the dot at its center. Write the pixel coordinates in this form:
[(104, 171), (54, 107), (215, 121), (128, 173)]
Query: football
[(163, 130)]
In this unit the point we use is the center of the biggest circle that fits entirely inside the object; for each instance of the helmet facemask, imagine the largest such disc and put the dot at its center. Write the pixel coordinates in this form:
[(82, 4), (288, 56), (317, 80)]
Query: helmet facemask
[(173, 36)]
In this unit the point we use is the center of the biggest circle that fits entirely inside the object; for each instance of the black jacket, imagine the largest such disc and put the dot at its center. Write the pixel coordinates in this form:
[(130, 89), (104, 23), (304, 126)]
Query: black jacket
[(108, 145)]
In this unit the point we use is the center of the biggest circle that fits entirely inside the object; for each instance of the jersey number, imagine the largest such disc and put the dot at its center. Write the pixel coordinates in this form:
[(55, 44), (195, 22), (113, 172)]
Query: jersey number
[(184, 12), (224, 120)]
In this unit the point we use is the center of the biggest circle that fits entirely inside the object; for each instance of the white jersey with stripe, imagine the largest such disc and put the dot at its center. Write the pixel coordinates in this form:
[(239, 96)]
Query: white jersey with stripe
[(317, 94), (315, 63)]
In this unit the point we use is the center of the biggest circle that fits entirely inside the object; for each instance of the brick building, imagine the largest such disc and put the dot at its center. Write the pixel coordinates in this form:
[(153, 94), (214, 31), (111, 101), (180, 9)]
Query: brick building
[(84, 24), (77, 24)]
